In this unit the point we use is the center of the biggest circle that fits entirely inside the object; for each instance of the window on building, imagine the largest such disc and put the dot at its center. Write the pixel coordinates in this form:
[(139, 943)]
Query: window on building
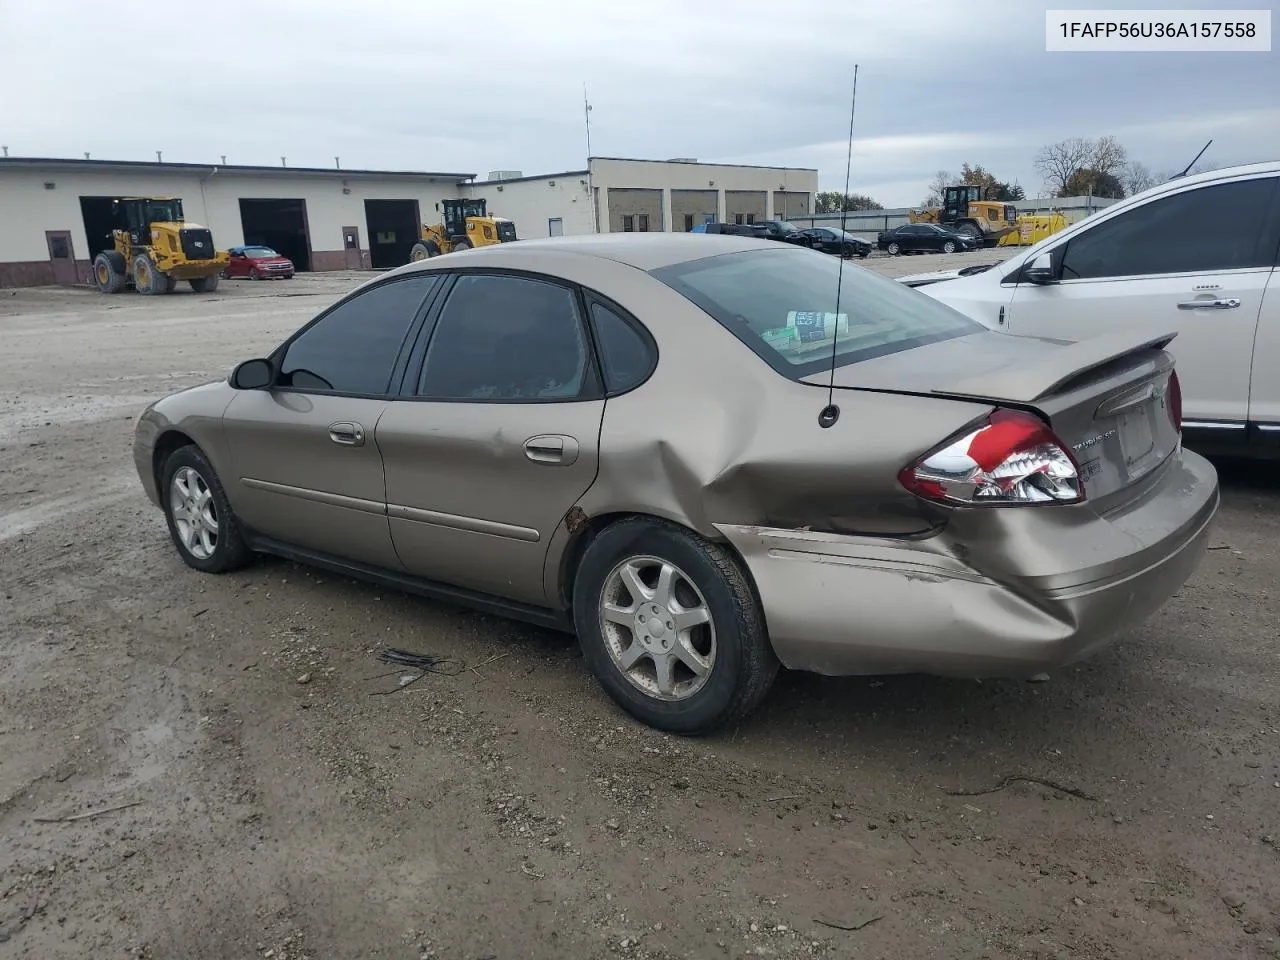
[(642, 225), (353, 348), (688, 222), (628, 224), (508, 339), (737, 218), (555, 227), (751, 218)]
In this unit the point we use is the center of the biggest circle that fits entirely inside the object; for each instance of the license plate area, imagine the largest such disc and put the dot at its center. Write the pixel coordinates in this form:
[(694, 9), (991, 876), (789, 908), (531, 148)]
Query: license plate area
[(1137, 436)]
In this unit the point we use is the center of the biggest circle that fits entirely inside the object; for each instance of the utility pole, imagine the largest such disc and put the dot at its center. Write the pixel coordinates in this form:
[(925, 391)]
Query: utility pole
[(591, 193)]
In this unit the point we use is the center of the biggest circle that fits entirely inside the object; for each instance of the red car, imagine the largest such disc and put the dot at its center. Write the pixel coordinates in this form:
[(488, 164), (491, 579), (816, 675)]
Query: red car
[(258, 263)]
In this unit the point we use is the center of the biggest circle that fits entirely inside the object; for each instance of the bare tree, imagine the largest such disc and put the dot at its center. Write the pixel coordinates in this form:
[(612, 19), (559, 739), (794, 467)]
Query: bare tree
[(938, 188), (1059, 161), (1137, 177), (1108, 156)]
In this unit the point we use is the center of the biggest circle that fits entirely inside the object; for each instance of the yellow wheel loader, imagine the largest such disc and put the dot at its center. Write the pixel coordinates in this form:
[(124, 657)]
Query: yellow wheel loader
[(964, 211), (466, 224), (154, 248)]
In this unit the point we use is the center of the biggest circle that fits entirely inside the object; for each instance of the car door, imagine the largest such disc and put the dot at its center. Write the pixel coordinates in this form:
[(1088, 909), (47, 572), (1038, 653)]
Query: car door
[(307, 469), (1197, 261), (498, 434), (235, 263), (1264, 384)]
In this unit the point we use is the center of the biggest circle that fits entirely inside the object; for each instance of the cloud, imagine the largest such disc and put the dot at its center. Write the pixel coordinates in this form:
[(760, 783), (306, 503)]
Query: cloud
[(407, 84)]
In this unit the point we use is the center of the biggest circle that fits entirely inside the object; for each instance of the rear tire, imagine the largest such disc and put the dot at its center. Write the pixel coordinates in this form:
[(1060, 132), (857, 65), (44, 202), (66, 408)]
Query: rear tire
[(201, 522), (971, 231), (147, 278), (109, 272), (731, 645), (204, 284)]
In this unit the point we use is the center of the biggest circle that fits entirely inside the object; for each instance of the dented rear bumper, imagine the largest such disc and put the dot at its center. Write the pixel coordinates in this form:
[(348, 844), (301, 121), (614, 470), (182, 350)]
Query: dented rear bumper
[(840, 605)]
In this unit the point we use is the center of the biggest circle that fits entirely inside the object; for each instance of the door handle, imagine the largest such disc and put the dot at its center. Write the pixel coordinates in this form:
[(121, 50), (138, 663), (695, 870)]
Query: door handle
[(347, 434), (1227, 304), (552, 448)]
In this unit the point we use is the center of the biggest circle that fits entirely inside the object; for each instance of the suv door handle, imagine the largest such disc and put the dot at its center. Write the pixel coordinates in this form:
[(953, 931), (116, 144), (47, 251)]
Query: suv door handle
[(552, 448), (347, 434), (1209, 304)]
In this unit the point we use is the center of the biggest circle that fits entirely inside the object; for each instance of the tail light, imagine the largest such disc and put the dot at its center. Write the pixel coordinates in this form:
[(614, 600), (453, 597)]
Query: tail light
[(1013, 458), (1173, 402)]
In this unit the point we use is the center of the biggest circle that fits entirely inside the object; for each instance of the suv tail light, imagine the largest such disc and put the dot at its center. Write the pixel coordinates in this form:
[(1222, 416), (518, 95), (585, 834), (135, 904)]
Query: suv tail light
[(1174, 401), (1013, 458)]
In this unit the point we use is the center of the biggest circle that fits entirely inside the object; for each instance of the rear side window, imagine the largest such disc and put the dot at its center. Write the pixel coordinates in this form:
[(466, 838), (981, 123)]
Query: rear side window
[(1225, 227), (353, 348), (782, 304), (625, 353), (508, 339)]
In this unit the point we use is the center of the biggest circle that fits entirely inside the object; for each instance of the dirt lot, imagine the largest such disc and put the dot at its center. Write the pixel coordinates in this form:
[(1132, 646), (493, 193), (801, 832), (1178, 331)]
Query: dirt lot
[(281, 809)]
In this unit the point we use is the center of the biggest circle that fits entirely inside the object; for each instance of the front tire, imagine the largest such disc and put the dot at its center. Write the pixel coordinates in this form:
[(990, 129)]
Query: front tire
[(201, 522), (462, 243), (894, 249), (204, 284), (147, 279), (671, 627), (949, 247)]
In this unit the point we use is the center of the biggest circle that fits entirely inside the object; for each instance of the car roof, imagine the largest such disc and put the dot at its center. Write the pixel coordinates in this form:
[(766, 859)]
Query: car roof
[(644, 251)]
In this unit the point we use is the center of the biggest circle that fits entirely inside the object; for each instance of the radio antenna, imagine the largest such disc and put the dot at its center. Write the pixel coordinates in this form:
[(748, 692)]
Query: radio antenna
[(1187, 168), (831, 413)]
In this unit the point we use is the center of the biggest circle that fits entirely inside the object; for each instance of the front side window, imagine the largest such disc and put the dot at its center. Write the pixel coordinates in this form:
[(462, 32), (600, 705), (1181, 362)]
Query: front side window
[(782, 304), (1223, 227), (353, 348), (507, 338)]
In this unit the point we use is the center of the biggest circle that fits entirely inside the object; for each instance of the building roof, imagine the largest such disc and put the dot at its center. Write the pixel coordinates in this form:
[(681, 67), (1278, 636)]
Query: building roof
[(70, 163), (538, 176), (706, 163)]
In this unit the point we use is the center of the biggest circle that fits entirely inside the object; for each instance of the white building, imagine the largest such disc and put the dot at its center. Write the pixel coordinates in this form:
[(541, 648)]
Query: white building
[(57, 212)]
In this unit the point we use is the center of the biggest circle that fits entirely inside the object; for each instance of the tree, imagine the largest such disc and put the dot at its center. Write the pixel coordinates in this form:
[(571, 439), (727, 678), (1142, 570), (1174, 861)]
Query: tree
[(1058, 161), (830, 201), (1090, 182), (938, 188), (1137, 177)]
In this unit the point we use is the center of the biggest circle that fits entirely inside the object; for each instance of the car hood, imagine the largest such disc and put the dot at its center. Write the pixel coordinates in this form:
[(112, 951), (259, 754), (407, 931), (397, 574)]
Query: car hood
[(991, 366), (271, 260), (937, 276)]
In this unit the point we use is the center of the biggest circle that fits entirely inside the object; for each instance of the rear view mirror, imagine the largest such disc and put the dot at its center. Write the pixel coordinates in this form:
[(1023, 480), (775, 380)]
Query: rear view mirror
[(1040, 270), (253, 375)]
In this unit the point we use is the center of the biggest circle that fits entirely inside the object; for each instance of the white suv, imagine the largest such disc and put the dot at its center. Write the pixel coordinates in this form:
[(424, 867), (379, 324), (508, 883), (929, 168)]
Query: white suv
[(1197, 254)]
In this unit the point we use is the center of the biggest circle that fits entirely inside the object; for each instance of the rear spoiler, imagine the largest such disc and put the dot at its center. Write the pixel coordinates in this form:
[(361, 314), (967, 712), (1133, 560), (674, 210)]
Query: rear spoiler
[(1028, 383)]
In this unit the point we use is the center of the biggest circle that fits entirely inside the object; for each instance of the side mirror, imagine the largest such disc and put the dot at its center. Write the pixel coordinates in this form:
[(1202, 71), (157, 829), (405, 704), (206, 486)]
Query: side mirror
[(253, 375), (1040, 270)]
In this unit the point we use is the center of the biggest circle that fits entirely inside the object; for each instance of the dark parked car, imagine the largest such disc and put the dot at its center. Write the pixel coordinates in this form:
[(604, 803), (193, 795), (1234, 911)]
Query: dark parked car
[(924, 237), (778, 230), (732, 229), (830, 240)]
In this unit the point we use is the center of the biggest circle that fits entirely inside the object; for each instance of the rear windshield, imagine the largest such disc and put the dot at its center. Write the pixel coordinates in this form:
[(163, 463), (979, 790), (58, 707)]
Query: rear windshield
[(782, 304)]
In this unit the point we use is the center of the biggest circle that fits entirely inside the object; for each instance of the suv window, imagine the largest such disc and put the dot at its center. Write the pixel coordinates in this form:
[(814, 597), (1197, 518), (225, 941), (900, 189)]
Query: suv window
[(507, 338), (1223, 227), (353, 347), (780, 303), (625, 354)]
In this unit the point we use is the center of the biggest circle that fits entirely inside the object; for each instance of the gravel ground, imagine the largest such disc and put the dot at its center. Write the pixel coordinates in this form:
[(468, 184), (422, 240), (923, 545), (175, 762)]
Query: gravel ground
[(241, 792)]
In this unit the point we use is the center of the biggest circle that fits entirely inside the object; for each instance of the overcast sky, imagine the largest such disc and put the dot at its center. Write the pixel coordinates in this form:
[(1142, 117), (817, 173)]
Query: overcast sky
[(474, 87)]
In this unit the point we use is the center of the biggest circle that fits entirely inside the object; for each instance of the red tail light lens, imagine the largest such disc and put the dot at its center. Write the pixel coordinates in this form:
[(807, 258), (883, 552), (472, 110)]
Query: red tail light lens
[(1012, 459), (1173, 401)]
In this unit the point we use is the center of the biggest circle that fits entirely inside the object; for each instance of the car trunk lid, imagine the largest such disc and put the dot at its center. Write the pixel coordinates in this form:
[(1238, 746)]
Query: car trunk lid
[(1106, 398)]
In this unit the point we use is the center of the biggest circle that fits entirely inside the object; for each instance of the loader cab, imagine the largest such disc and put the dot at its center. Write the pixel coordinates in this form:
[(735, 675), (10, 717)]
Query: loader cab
[(957, 200), (135, 215), (456, 213)]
